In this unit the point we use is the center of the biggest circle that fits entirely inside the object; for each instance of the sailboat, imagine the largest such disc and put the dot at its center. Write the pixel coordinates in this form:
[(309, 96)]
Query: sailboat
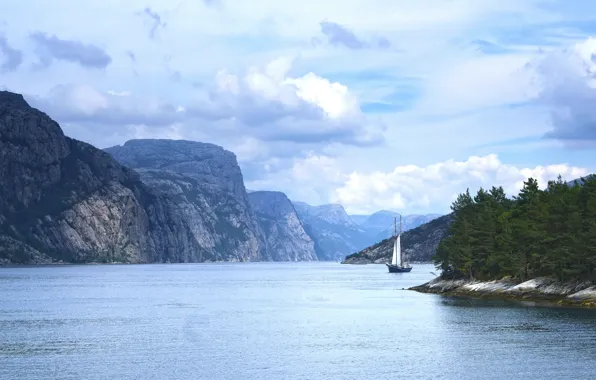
[(398, 262)]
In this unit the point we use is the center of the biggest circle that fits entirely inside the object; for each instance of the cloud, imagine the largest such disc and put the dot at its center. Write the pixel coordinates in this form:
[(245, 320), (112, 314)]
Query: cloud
[(10, 58), (408, 188), (75, 103), (568, 88), (49, 48), (434, 187), (274, 106), (310, 178), (338, 35), (263, 103), (212, 3), (131, 55), (156, 22)]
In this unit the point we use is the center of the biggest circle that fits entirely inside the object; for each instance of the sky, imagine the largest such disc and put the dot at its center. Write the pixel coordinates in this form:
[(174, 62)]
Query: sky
[(376, 104)]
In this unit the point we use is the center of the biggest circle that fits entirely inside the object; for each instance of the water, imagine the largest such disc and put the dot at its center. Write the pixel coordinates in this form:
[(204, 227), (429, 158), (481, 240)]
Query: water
[(274, 321)]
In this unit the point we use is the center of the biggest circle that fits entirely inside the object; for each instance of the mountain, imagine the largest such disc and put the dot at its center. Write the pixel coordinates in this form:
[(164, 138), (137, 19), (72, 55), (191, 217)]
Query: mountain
[(337, 234), (418, 244), (580, 181), (359, 219), (380, 223), (207, 187), (285, 235), (329, 213), (334, 233), (64, 200)]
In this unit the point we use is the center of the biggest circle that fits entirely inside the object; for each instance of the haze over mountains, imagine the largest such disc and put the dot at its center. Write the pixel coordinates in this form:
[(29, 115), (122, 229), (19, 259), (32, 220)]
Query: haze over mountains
[(152, 201)]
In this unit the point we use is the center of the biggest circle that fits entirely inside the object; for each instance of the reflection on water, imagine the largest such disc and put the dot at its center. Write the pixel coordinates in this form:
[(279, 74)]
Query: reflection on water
[(274, 321)]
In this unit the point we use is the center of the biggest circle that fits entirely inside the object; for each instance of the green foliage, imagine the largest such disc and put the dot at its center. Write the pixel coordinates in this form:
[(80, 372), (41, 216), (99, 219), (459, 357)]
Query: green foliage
[(549, 232)]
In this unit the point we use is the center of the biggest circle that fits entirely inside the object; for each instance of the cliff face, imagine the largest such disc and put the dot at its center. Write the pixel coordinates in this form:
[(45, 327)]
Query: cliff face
[(205, 187), (286, 238), (61, 199), (418, 244), (332, 230)]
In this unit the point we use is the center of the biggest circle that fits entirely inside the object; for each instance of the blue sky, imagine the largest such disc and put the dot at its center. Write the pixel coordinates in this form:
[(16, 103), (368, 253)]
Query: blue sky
[(376, 104)]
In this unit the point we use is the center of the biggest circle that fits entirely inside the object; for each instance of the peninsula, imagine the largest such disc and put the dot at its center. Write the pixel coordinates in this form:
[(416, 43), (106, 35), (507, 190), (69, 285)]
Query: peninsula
[(538, 246)]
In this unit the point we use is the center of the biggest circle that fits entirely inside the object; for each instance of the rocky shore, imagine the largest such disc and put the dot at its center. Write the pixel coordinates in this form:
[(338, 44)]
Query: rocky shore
[(575, 293)]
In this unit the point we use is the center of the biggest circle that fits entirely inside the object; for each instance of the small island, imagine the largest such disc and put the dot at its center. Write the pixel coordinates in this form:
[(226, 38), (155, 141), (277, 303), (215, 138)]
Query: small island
[(538, 246)]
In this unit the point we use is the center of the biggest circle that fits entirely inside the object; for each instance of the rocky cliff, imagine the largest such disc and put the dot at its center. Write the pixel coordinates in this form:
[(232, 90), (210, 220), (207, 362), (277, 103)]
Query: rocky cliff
[(285, 234), (418, 244), (332, 230), (64, 200), (207, 190)]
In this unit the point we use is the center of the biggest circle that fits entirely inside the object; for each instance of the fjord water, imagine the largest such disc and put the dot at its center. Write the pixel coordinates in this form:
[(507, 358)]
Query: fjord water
[(274, 321)]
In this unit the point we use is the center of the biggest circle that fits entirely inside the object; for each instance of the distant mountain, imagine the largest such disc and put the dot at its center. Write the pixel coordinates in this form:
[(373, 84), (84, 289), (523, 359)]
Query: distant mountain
[(337, 234), (330, 213), (381, 223), (359, 219), (286, 237), (334, 233), (419, 244), (578, 181)]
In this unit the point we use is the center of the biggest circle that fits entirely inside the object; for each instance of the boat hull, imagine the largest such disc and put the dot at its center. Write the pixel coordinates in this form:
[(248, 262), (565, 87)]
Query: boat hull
[(398, 269)]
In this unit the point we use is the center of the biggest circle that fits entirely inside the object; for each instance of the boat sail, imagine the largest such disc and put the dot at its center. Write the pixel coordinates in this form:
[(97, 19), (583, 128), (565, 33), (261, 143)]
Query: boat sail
[(396, 259), (398, 264)]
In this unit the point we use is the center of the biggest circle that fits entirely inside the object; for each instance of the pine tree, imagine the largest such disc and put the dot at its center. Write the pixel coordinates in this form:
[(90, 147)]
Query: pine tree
[(537, 233)]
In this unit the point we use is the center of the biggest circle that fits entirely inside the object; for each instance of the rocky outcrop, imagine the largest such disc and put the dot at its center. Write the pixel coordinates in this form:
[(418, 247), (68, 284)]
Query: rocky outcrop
[(334, 233), (62, 199), (539, 289), (285, 234), (205, 188), (418, 244)]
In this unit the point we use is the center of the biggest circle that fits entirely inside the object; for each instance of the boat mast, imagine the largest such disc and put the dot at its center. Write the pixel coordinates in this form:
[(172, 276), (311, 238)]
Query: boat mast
[(401, 254)]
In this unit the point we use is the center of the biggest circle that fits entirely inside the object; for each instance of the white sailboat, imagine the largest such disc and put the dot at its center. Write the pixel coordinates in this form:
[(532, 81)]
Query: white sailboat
[(398, 264)]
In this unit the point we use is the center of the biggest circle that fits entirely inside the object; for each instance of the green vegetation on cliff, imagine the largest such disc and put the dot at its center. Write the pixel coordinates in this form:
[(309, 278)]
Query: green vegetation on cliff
[(538, 233)]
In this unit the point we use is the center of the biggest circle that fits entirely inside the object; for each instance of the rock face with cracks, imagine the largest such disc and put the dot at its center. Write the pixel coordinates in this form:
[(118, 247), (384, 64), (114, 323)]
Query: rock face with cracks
[(62, 200), (285, 235), (204, 186)]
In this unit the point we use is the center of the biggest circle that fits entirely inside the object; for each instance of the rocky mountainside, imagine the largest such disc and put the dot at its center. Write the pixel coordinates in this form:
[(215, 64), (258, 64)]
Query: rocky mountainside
[(207, 190), (64, 200), (332, 230), (418, 244), (286, 238)]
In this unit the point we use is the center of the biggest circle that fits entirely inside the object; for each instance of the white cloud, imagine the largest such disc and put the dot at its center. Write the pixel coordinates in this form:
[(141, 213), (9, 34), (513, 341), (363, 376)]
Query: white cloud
[(433, 187), (568, 88), (288, 118), (410, 188), (268, 104)]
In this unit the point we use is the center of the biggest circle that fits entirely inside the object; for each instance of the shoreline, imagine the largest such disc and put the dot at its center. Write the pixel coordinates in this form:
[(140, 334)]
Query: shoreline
[(93, 263), (539, 290)]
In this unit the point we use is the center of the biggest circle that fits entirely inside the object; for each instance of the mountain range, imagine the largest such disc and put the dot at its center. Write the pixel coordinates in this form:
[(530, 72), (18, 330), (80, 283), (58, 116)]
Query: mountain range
[(63, 200)]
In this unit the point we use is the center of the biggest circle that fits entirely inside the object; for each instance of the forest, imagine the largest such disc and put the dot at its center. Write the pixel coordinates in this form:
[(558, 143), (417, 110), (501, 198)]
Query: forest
[(550, 232)]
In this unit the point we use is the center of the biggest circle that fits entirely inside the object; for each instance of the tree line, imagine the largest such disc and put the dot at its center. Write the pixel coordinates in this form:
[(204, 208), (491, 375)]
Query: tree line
[(550, 232)]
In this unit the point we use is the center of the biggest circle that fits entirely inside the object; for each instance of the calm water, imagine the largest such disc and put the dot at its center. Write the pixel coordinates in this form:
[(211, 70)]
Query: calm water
[(274, 321)]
